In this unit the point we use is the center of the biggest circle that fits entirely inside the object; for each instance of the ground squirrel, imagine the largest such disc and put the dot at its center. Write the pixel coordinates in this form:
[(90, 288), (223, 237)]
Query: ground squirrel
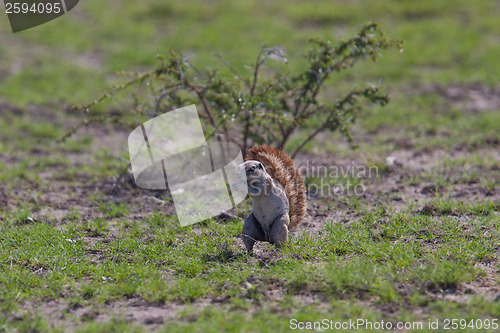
[(279, 196)]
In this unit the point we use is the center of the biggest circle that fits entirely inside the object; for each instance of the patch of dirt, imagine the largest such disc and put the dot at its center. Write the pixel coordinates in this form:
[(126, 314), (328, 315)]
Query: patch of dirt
[(134, 310), (404, 178), (487, 287), (469, 97)]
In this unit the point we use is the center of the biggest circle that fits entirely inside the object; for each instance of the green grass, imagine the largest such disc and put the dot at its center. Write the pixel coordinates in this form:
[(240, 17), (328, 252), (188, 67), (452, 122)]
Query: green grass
[(382, 258), (72, 240)]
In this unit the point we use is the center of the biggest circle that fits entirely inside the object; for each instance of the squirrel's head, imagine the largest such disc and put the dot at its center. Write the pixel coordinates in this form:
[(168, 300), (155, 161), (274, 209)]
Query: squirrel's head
[(254, 169), (256, 175)]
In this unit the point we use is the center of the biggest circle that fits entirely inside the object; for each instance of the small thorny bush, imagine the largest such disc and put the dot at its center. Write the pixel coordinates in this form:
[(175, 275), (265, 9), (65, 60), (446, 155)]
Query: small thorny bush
[(266, 107)]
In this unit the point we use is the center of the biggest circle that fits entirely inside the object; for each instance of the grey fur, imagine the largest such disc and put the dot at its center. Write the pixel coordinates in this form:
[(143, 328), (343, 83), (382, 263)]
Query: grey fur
[(270, 218)]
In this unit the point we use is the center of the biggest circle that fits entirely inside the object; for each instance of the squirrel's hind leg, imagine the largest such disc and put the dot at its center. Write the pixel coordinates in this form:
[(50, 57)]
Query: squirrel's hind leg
[(252, 231), (279, 230)]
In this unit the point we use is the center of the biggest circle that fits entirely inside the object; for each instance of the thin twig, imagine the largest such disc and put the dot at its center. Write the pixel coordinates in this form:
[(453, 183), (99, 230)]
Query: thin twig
[(238, 75)]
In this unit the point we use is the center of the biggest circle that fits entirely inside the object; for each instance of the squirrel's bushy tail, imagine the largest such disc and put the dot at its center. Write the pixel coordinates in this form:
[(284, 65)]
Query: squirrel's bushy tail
[(281, 168)]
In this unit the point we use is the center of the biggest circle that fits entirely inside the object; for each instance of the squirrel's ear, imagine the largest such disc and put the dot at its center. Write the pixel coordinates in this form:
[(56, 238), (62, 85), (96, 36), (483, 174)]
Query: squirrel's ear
[(261, 166)]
